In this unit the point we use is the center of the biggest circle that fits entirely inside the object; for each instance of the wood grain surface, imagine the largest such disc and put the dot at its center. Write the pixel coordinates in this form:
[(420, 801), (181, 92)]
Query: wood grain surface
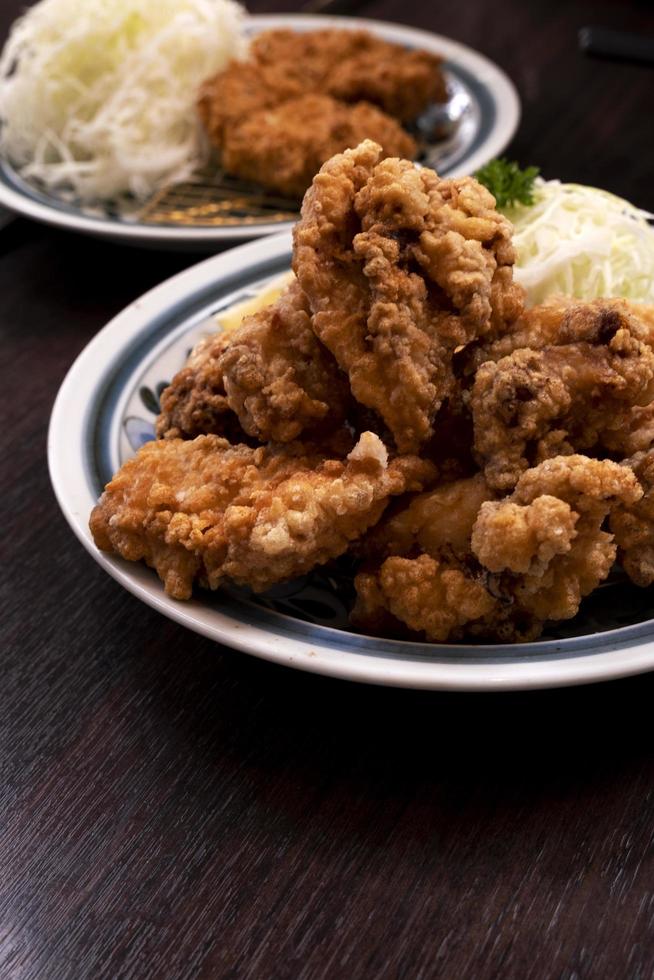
[(173, 809)]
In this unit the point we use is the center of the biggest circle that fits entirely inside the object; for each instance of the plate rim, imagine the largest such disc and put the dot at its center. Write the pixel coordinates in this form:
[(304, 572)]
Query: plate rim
[(614, 657), (490, 74)]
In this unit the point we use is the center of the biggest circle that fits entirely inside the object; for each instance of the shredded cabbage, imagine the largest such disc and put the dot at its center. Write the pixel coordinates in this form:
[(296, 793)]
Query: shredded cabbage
[(99, 95), (584, 242)]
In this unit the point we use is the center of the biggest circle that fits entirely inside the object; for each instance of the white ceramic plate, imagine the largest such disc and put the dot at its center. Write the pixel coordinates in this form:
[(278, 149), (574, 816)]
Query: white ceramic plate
[(490, 119), (106, 408)]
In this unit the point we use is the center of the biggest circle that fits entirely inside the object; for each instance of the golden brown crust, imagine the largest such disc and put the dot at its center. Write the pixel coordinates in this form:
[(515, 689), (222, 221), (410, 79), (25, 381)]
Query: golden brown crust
[(564, 320), (278, 379), (405, 293), (203, 510), (633, 524), (195, 402), (283, 146), (269, 379), (355, 66), (430, 597), (402, 83), (535, 404), (303, 96), (399, 267), (456, 564), (438, 522), (235, 94), (546, 541)]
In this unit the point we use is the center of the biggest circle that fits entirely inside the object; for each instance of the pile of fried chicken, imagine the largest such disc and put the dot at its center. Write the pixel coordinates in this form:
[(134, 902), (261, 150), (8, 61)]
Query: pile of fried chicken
[(485, 464), (301, 97)]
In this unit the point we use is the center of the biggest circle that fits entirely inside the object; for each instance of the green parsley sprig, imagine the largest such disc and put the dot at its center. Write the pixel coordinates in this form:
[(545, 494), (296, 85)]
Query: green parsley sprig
[(507, 182)]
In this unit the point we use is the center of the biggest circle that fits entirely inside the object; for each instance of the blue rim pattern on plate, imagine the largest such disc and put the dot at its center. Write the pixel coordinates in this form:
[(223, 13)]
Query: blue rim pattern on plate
[(171, 334)]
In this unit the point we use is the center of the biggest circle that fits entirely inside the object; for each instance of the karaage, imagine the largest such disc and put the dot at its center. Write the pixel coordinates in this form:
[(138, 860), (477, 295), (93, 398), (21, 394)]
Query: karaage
[(633, 523), (401, 269), (498, 569), (535, 404), (564, 320), (270, 375), (545, 541), (195, 402), (205, 511)]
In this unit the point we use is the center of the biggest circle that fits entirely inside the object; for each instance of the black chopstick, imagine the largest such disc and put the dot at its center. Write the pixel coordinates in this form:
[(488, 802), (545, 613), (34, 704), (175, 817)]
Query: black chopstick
[(600, 42)]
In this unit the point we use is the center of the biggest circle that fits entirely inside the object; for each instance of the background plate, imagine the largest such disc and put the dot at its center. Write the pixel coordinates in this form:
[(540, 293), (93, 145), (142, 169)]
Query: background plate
[(106, 407), (488, 125)]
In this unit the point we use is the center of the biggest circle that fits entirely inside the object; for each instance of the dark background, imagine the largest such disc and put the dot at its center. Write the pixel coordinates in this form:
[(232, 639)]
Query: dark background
[(169, 808)]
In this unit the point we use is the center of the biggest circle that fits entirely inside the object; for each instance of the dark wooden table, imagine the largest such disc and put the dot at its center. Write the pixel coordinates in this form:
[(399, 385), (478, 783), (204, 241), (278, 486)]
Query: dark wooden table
[(172, 809)]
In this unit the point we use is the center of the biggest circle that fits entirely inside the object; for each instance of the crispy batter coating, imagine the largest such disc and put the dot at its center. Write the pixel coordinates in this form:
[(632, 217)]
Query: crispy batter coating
[(270, 375), (235, 94), (633, 432), (352, 66), (279, 379), (535, 404), (565, 320), (497, 569), (283, 146), (545, 541), (401, 269), (429, 596), (303, 96), (403, 87), (195, 402), (356, 66), (416, 572), (206, 511), (438, 522), (633, 524)]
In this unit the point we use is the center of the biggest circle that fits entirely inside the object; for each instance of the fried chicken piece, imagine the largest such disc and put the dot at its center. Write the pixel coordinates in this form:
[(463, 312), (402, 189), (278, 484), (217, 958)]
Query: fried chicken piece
[(303, 96), (206, 511), (401, 270), (536, 404), (644, 314), (394, 584), (356, 66), (241, 90), (270, 375), (633, 433), (565, 320), (370, 613), (284, 146), (429, 596), (633, 525), (498, 569), (438, 522), (279, 379), (403, 83), (545, 542), (305, 55), (195, 402)]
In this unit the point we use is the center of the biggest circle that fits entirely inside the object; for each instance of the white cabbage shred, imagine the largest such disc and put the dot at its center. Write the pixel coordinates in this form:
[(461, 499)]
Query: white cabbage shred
[(583, 242), (99, 95)]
